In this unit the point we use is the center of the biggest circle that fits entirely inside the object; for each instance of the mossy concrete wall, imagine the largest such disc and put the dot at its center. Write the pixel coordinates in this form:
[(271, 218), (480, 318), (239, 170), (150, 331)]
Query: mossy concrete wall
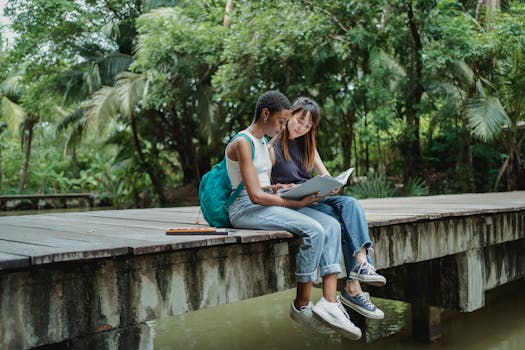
[(53, 303), (450, 263)]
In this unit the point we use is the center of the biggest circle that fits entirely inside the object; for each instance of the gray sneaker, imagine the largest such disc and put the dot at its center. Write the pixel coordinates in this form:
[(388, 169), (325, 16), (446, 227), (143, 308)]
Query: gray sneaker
[(335, 316), (305, 317), (362, 304), (366, 273)]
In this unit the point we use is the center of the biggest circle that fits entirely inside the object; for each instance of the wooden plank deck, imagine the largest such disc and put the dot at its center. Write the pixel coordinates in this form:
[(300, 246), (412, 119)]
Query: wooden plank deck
[(60, 237)]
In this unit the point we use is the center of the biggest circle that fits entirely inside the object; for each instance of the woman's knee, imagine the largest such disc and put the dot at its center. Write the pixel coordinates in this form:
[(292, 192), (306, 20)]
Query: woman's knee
[(332, 227), (316, 233), (351, 202)]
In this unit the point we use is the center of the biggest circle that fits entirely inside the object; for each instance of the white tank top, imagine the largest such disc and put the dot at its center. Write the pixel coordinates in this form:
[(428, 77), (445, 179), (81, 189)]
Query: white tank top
[(261, 161)]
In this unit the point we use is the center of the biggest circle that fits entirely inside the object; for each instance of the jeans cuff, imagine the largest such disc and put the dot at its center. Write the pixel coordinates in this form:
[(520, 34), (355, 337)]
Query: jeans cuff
[(366, 245), (306, 277), (329, 269)]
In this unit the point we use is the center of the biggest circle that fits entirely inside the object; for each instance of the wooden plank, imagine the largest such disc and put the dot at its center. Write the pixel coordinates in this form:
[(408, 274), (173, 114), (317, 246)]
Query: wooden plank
[(136, 240), (44, 254), (140, 240), (59, 237)]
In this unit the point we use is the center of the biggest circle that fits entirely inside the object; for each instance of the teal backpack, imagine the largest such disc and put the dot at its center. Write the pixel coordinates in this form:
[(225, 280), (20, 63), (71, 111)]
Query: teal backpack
[(215, 192)]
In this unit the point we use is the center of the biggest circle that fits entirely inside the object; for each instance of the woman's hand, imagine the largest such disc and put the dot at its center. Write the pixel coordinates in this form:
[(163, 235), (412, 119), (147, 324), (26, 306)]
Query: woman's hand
[(311, 199), (283, 187), (335, 191)]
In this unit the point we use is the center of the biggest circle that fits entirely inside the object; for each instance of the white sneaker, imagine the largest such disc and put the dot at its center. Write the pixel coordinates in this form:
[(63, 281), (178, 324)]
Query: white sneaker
[(305, 317), (335, 316)]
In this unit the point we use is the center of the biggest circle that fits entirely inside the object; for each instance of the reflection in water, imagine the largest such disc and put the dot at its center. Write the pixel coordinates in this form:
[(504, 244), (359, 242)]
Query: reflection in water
[(263, 323)]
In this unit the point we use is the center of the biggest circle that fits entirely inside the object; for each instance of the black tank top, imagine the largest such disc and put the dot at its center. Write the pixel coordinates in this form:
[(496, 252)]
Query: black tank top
[(288, 171)]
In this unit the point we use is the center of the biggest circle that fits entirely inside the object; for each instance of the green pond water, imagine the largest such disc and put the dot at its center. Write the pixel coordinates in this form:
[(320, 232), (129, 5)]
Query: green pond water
[(264, 323)]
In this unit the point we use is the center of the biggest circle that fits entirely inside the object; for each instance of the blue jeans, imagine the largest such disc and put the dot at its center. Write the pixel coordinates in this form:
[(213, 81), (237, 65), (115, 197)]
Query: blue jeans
[(321, 234), (354, 227)]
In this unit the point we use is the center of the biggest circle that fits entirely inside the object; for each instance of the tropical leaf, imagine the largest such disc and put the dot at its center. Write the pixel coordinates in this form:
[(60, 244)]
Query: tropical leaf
[(130, 90), (91, 78), (111, 65), (13, 86), (462, 72), (486, 117), (376, 186), (416, 187), (103, 106), (380, 58), (13, 114)]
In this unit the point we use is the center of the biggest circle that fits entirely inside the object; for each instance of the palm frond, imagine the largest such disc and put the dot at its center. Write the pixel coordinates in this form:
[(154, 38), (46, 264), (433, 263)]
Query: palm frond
[(461, 72), (376, 186), (75, 137), (129, 89), (103, 106), (71, 119), (447, 89), (486, 117), (113, 64), (379, 58), (416, 187), (12, 113), (92, 78), (13, 86)]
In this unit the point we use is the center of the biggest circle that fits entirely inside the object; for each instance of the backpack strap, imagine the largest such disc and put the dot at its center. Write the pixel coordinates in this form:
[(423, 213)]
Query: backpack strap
[(243, 135), (239, 188)]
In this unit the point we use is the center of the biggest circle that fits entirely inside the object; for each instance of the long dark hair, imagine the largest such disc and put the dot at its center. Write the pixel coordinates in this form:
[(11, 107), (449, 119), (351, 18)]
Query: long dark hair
[(306, 143)]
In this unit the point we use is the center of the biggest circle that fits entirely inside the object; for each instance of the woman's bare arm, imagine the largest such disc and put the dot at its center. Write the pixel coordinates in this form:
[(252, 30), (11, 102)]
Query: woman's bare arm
[(319, 167), (241, 151)]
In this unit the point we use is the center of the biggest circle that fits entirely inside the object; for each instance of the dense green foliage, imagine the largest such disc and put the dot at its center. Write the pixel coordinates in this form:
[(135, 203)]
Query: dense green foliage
[(130, 98)]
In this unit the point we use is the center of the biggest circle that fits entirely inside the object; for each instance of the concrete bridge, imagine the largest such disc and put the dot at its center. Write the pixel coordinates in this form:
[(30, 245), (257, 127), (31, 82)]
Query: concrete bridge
[(92, 279)]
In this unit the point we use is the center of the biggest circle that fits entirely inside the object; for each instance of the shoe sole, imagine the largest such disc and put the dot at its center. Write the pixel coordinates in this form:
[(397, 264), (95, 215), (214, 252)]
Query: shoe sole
[(374, 281), (344, 332), (309, 326), (361, 310)]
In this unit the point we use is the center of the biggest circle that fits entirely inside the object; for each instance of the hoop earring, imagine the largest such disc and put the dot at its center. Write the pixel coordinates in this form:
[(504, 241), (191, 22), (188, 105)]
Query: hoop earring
[(266, 119)]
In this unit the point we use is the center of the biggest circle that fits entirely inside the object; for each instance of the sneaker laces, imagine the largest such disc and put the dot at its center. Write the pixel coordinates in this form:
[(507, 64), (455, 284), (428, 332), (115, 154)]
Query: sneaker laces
[(369, 268), (365, 299)]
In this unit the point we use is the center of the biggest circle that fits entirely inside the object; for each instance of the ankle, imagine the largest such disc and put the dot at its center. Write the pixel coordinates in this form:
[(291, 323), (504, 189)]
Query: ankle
[(353, 288), (299, 303)]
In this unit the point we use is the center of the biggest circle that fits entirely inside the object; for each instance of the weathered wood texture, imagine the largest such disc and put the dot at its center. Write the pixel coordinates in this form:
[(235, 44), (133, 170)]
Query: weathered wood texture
[(54, 238)]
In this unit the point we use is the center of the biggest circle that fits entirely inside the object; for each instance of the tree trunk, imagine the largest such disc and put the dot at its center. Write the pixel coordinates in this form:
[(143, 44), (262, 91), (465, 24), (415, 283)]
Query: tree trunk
[(347, 136), (1, 170), (464, 164), (367, 145), (27, 141), (412, 163), (182, 133), (74, 162), (227, 12), (156, 181)]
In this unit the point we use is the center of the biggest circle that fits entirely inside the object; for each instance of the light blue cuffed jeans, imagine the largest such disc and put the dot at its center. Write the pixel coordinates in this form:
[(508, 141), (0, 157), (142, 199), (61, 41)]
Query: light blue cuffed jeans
[(354, 227), (321, 234)]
